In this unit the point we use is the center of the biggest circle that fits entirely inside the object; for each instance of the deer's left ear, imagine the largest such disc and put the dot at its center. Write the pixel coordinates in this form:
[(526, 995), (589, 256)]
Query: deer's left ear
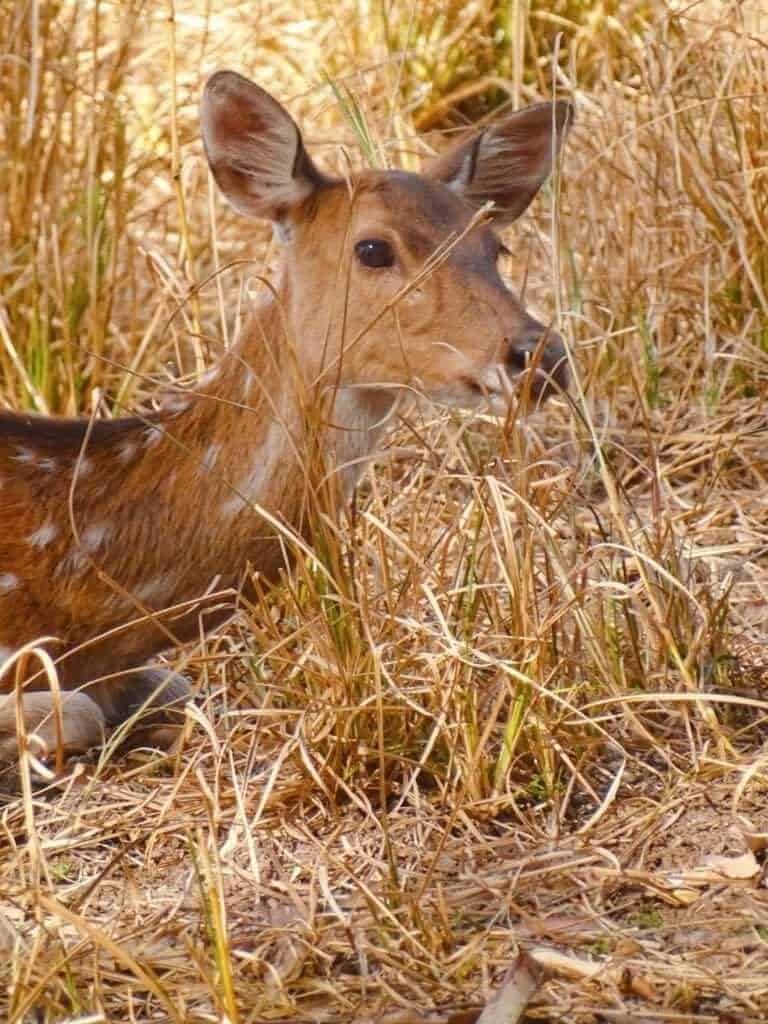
[(507, 161)]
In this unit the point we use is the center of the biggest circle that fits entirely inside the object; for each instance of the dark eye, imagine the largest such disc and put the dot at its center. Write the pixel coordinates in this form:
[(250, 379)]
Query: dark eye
[(375, 252)]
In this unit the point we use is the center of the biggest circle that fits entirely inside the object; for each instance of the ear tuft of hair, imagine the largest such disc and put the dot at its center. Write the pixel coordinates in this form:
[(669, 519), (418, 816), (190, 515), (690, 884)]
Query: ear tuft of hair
[(509, 160)]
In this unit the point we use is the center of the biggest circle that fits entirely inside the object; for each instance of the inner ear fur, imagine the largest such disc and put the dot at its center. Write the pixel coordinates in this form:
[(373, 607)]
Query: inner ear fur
[(255, 149), (508, 160)]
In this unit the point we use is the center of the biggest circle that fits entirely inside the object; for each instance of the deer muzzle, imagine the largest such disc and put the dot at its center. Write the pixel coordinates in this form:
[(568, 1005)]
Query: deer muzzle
[(541, 355)]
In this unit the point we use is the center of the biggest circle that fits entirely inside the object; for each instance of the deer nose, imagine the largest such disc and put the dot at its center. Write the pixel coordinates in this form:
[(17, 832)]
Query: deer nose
[(542, 351)]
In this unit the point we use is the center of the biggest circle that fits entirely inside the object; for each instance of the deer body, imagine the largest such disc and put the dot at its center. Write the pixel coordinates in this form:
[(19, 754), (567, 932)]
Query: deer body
[(118, 537), (162, 508)]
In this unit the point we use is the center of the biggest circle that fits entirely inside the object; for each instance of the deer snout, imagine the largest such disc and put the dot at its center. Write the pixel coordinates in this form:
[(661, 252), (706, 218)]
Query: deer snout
[(540, 351)]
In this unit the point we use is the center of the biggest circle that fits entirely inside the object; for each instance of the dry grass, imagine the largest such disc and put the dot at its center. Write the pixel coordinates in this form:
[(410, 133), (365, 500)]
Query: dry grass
[(533, 703)]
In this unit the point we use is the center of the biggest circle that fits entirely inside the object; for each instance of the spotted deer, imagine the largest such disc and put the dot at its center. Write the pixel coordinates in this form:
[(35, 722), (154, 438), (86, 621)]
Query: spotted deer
[(120, 538)]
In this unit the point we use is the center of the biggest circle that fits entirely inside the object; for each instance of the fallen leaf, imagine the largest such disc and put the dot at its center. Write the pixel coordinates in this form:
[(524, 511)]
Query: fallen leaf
[(560, 963), (744, 866), (685, 897), (639, 985)]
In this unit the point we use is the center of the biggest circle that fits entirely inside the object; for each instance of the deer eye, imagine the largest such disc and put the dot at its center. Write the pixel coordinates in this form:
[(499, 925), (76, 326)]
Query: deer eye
[(375, 252)]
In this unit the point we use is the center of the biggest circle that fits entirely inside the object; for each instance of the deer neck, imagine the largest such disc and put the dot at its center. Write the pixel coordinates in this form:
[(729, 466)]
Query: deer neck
[(261, 429)]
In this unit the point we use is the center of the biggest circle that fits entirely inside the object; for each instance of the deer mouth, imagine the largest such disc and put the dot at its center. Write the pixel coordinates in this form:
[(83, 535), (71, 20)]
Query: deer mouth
[(500, 385)]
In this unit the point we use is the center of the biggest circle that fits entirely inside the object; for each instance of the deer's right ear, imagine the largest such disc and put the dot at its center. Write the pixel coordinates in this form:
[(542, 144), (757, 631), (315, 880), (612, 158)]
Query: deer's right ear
[(255, 149)]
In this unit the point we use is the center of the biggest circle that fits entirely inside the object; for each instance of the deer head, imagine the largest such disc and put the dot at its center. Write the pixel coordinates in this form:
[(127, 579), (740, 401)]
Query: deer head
[(391, 278)]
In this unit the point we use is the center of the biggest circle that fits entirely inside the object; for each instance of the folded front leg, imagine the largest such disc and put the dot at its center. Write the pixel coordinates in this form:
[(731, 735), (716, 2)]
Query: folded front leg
[(151, 701), (153, 697), (83, 724)]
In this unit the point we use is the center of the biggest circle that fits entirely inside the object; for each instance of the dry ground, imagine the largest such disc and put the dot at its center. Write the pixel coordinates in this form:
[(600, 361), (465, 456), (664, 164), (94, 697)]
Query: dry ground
[(531, 711)]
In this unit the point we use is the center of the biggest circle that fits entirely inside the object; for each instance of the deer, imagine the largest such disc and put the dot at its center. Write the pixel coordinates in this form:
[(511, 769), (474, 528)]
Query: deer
[(123, 538)]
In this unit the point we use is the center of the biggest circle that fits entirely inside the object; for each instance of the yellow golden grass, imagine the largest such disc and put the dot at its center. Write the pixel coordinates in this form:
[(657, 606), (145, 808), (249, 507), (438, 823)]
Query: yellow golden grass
[(519, 695)]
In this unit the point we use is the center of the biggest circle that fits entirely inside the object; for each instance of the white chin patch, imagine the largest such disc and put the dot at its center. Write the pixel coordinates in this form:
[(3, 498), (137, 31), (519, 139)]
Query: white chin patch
[(495, 381), (491, 392), (496, 389)]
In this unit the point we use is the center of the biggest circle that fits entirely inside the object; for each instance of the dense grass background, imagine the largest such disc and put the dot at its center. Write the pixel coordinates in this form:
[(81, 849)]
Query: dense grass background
[(532, 705)]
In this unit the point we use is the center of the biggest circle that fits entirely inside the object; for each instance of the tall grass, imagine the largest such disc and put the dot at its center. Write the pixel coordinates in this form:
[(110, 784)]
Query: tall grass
[(523, 678)]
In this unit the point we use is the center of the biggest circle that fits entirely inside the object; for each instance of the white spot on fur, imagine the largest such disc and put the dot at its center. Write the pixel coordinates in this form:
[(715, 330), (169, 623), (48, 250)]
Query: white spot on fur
[(78, 560), (152, 590), (94, 535), (26, 456), (43, 535), (83, 467), (152, 435), (210, 456), (176, 404), (47, 465), (8, 582)]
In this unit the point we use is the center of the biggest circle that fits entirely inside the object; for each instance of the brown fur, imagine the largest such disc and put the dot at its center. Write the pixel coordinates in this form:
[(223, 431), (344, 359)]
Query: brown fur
[(107, 528)]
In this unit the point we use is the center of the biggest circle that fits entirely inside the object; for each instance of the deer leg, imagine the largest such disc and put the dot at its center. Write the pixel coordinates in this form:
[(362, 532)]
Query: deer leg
[(155, 697), (82, 723)]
